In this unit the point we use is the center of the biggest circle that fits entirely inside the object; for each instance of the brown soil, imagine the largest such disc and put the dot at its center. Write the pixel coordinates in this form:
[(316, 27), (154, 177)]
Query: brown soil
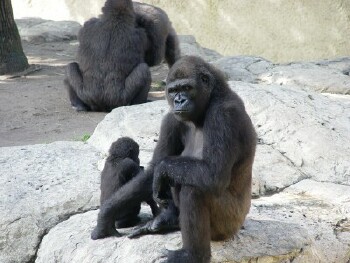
[(34, 107)]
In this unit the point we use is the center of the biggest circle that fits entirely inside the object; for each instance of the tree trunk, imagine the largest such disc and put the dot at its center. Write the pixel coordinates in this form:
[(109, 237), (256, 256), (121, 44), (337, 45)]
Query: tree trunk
[(12, 58)]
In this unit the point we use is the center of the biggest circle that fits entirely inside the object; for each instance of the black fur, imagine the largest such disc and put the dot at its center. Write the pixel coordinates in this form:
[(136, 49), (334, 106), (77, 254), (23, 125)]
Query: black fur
[(111, 71), (121, 166), (162, 39)]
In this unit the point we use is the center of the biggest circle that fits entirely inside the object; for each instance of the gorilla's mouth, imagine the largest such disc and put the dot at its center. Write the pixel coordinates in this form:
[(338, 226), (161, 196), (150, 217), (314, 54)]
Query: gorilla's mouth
[(179, 112)]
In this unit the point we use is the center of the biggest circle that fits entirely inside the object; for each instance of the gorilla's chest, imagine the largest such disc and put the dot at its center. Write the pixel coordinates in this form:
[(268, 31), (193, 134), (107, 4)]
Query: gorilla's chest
[(193, 143)]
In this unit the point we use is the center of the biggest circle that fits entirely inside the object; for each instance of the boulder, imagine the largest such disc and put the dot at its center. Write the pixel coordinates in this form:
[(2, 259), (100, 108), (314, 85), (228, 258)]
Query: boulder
[(243, 68), (40, 186), (321, 208), (259, 241), (311, 76), (37, 30), (326, 76), (190, 47)]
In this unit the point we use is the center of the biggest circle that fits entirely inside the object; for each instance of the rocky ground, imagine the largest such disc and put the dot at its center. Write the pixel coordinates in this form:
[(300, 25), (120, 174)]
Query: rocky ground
[(50, 191)]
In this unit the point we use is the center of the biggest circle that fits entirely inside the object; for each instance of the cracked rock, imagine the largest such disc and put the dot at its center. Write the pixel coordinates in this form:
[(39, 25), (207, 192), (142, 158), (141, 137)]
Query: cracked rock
[(40, 186), (259, 241)]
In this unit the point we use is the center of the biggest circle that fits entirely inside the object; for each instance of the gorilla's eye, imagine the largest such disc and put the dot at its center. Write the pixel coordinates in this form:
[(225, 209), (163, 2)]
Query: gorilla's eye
[(186, 88)]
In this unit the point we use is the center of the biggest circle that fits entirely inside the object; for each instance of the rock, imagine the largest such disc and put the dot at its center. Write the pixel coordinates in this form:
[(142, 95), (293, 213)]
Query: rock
[(36, 30), (40, 186), (340, 64), (190, 47), (261, 240), (127, 121), (308, 129), (322, 208), (243, 68), (333, 78), (267, 168)]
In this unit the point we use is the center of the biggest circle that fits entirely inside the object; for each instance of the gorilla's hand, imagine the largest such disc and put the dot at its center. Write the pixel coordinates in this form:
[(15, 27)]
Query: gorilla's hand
[(166, 221), (162, 184)]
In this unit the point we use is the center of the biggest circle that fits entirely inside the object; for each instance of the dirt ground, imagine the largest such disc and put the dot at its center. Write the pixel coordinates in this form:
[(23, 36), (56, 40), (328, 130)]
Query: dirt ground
[(34, 107)]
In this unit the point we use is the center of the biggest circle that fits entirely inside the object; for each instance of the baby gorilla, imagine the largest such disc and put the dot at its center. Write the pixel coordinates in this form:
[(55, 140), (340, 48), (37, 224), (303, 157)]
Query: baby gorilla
[(111, 70), (122, 165)]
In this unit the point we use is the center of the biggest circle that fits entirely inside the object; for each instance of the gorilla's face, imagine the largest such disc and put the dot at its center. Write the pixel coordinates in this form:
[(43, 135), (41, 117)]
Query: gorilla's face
[(188, 90), (181, 95)]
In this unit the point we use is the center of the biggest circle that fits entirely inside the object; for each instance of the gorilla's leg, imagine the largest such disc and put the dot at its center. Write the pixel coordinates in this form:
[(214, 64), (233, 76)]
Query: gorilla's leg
[(130, 219), (74, 83), (137, 85), (172, 52), (195, 228), (131, 194)]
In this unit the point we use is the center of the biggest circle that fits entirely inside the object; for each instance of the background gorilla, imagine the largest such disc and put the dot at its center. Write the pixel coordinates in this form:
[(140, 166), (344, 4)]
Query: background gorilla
[(121, 166), (162, 39), (203, 158), (111, 70)]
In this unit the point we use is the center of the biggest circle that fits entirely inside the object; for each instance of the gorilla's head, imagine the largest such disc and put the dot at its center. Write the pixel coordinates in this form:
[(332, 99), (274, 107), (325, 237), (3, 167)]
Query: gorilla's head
[(125, 147), (189, 88)]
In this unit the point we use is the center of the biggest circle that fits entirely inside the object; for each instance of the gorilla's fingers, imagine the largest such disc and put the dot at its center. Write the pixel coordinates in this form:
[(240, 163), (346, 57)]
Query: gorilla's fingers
[(143, 230)]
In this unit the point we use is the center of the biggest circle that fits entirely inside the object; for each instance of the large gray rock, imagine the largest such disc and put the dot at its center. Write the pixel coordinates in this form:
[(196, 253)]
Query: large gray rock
[(190, 47), (326, 76), (243, 68), (310, 130), (37, 30), (322, 208), (261, 241), (140, 122), (310, 76), (40, 186)]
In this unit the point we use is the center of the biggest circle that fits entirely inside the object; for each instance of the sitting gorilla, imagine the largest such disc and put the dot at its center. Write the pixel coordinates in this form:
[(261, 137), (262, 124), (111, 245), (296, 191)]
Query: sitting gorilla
[(201, 169), (121, 166), (111, 69)]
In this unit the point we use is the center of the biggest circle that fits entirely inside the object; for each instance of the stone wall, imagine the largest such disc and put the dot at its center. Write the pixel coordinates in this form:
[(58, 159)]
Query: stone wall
[(279, 30)]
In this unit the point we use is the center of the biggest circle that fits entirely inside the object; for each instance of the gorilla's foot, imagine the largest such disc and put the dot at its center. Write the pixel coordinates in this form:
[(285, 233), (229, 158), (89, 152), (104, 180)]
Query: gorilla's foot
[(127, 222), (185, 256), (99, 233)]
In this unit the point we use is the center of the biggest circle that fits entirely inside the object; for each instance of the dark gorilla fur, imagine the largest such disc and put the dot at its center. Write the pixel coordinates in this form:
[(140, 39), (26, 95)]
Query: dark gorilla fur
[(122, 165), (201, 168), (111, 71), (162, 39)]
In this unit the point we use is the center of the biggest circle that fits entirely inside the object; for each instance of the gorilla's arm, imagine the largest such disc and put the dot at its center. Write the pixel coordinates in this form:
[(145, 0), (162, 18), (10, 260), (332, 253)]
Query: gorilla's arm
[(169, 142), (212, 173), (137, 81)]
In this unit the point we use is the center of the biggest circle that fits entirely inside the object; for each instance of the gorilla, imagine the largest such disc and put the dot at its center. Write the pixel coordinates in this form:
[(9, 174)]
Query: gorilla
[(201, 170), (121, 166), (111, 70), (162, 41), (113, 54)]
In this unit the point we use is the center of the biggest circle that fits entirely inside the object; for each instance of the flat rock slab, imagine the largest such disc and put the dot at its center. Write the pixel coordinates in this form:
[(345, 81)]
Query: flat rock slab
[(243, 68), (40, 186), (311, 76), (260, 241), (321, 208), (37, 30), (326, 76)]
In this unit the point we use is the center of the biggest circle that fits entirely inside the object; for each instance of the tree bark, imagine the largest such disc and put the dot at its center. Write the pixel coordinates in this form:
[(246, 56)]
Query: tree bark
[(12, 58)]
